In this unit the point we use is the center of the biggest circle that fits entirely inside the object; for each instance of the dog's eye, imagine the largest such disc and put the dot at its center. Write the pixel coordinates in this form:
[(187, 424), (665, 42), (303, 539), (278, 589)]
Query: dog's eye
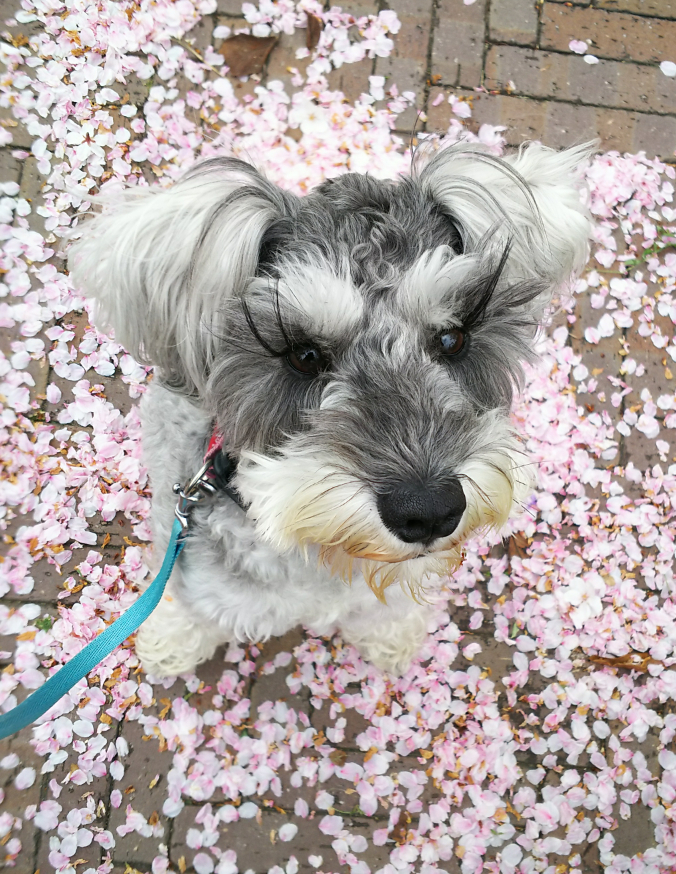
[(452, 342), (308, 361)]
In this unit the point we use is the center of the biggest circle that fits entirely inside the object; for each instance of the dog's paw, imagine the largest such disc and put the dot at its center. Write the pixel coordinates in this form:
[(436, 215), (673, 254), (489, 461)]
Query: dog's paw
[(169, 644), (391, 646)]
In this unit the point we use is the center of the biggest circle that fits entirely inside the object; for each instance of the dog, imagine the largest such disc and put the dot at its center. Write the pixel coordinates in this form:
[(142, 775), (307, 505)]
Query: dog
[(358, 350)]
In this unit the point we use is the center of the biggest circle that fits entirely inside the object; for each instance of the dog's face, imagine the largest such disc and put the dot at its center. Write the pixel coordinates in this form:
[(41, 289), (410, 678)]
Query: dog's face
[(360, 346)]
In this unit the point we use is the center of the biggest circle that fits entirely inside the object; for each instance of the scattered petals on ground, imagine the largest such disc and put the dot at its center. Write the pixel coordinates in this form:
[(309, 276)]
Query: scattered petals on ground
[(518, 769)]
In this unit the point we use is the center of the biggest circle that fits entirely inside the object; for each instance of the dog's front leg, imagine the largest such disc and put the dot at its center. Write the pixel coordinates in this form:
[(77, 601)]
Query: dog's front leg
[(389, 635), (171, 641)]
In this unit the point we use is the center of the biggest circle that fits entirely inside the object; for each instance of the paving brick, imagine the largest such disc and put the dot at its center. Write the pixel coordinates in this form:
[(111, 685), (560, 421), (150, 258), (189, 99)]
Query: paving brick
[(351, 79), (660, 8), (143, 766), (655, 135), (622, 85), (458, 44), (75, 797), (16, 800), (38, 369), (439, 117), (283, 57), (361, 7), (256, 841), (272, 686), (413, 38), (567, 124), (524, 119), (21, 139), (270, 649), (10, 646), (407, 65), (638, 449), (613, 34), (10, 167), (495, 657), (513, 21), (548, 75), (637, 834), (31, 187), (657, 365), (137, 89), (409, 75), (355, 724), (411, 9), (229, 7), (49, 579), (604, 355)]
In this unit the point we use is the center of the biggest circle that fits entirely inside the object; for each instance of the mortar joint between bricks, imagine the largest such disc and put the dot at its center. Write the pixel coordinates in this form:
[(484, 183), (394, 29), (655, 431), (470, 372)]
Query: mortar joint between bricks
[(522, 95), (539, 5), (486, 42), (434, 19), (551, 50)]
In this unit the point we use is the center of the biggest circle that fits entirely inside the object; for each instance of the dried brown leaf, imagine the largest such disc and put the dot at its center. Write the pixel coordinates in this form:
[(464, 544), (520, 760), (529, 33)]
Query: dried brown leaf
[(245, 54), (314, 30), (338, 757)]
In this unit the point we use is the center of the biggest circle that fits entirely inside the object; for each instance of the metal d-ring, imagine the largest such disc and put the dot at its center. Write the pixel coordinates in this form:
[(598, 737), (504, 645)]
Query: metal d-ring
[(192, 493)]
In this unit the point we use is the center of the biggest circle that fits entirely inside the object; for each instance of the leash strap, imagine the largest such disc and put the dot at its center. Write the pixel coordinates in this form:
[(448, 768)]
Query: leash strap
[(86, 660)]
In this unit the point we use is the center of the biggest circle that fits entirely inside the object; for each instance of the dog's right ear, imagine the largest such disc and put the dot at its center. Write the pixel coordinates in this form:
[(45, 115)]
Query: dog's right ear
[(161, 263)]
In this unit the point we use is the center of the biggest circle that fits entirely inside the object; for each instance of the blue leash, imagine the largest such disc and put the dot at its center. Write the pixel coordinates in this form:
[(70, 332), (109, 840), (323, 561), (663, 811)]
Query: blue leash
[(81, 664)]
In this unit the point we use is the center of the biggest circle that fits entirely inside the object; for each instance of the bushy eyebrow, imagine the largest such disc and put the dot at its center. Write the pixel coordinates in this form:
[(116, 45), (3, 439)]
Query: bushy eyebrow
[(445, 289), (483, 296)]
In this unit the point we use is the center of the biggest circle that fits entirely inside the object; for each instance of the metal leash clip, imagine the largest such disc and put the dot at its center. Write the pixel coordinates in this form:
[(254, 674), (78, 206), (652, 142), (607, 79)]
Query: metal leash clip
[(192, 493)]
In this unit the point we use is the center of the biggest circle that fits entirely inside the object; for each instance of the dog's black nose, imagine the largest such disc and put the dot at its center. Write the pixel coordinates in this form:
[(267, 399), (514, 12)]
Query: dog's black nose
[(419, 513)]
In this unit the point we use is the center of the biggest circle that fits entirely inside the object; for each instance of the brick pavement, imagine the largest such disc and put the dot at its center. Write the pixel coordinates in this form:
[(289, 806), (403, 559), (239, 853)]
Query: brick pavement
[(516, 54)]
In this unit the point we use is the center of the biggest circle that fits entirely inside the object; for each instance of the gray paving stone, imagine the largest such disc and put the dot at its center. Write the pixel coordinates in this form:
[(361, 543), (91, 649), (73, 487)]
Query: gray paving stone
[(655, 135), (637, 833), (567, 77), (258, 847), (37, 369), (31, 188), (74, 797), (458, 46), (351, 79), (660, 8), (229, 7), (613, 34), (513, 21), (409, 75), (17, 800), (10, 167), (144, 790)]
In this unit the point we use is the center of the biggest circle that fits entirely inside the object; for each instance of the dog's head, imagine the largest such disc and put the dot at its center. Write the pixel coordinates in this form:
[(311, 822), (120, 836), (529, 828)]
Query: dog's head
[(359, 347)]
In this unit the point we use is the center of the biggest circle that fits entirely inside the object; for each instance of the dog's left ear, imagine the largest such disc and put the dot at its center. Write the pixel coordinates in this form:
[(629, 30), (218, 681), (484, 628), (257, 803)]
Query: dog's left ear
[(161, 263), (531, 200)]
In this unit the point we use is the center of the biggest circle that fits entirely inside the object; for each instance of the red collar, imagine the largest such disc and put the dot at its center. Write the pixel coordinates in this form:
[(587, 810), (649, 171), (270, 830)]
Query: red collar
[(215, 444), (222, 468)]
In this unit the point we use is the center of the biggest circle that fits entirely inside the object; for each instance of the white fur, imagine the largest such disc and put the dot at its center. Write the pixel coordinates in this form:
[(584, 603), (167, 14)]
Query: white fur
[(331, 304), (154, 285), (549, 229)]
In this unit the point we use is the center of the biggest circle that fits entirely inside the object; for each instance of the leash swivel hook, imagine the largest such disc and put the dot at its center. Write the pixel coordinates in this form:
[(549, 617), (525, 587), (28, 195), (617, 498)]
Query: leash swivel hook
[(192, 493)]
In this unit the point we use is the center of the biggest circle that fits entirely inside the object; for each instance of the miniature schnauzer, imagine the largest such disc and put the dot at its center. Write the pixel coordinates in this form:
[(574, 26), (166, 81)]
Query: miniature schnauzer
[(358, 350)]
